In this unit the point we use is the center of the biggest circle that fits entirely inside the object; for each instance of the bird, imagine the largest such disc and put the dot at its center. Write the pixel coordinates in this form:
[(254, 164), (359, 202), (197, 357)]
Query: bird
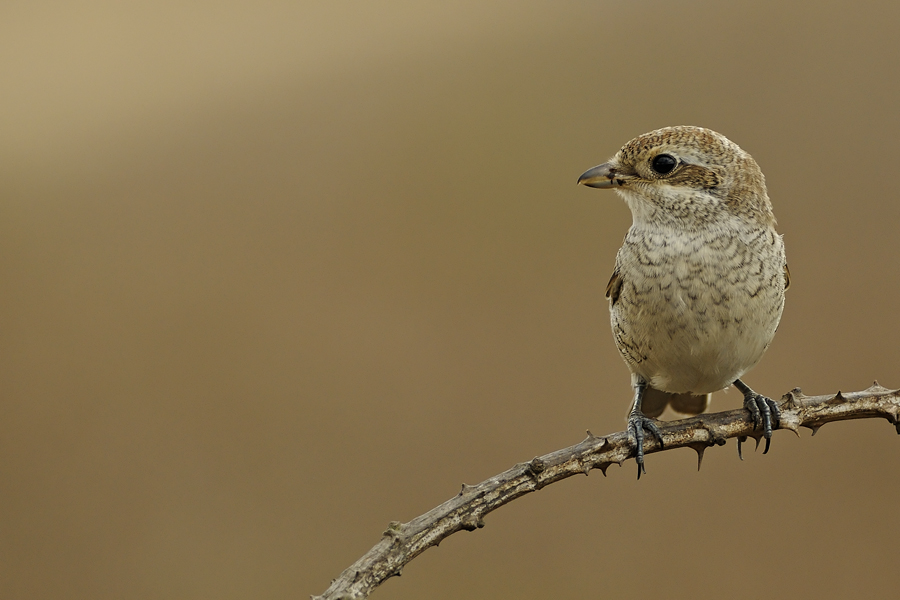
[(699, 283)]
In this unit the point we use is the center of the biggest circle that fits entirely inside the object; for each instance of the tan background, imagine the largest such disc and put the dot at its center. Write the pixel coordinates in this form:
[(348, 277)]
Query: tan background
[(277, 274)]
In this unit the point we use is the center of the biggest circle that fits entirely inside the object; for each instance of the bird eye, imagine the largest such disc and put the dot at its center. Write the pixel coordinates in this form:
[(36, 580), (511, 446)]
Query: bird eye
[(663, 163)]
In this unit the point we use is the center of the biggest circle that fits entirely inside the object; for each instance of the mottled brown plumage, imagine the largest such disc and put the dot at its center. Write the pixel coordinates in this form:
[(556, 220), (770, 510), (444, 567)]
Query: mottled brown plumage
[(698, 287)]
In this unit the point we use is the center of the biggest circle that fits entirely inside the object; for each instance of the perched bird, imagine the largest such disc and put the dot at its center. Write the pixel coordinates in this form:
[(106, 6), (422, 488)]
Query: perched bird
[(698, 287)]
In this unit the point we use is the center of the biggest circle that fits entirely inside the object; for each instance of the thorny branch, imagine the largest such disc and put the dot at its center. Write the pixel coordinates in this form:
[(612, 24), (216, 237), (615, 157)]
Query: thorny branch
[(402, 542)]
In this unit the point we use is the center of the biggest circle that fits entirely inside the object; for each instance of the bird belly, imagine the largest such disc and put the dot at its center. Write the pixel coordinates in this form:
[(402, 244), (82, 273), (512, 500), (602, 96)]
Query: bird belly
[(695, 322)]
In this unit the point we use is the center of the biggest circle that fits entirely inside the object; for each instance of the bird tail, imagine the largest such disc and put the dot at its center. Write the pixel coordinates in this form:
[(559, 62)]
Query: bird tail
[(655, 402)]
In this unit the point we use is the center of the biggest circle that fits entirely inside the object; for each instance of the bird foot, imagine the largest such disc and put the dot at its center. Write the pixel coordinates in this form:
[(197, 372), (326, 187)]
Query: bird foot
[(637, 423), (764, 412)]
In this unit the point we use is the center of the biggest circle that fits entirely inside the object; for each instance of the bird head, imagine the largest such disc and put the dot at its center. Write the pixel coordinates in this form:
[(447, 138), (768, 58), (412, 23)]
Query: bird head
[(687, 177)]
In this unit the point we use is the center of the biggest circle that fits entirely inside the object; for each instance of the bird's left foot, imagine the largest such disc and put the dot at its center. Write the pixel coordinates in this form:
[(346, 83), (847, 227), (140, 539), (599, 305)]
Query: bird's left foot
[(764, 412)]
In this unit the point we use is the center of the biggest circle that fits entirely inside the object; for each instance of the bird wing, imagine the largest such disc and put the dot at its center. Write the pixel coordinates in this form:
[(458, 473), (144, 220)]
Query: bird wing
[(614, 286)]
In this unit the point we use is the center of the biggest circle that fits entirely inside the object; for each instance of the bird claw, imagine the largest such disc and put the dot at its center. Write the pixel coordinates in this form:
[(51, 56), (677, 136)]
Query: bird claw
[(637, 423), (765, 415)]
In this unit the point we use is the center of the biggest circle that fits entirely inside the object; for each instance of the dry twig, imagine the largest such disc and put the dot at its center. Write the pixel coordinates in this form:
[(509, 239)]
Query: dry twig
[(402, 542)]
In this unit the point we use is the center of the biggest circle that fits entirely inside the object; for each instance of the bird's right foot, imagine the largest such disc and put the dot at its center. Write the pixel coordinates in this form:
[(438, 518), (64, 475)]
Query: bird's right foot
[(637, 423)]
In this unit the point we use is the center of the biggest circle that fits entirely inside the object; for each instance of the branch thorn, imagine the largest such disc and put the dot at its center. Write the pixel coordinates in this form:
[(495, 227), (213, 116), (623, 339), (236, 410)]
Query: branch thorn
[(838, 398), (592, 440), (877, 387), (741, 439), (699, 448)]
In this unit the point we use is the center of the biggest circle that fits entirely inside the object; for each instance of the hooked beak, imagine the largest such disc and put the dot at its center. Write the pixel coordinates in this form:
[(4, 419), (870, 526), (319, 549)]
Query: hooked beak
[(601, 176)]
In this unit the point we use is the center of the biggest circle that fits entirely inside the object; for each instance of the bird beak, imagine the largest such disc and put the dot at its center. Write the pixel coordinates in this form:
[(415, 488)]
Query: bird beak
[(601, 176)]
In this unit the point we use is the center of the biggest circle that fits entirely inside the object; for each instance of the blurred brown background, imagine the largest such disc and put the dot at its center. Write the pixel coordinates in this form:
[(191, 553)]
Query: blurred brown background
[(277, 273)]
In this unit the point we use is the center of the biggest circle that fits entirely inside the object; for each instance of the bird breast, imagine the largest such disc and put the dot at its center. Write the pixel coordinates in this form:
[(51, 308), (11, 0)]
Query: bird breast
[(697, 309)]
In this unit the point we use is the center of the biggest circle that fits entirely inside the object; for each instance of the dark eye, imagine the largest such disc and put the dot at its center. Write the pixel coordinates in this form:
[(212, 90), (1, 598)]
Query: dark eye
[(663, 163)]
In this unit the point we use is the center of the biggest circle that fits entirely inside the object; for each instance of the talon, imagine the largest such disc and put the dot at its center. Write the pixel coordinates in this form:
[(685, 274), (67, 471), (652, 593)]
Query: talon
[(767, 420), (776, 413), (764, 413), (773, 419), (637, 423), (755, 416)]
